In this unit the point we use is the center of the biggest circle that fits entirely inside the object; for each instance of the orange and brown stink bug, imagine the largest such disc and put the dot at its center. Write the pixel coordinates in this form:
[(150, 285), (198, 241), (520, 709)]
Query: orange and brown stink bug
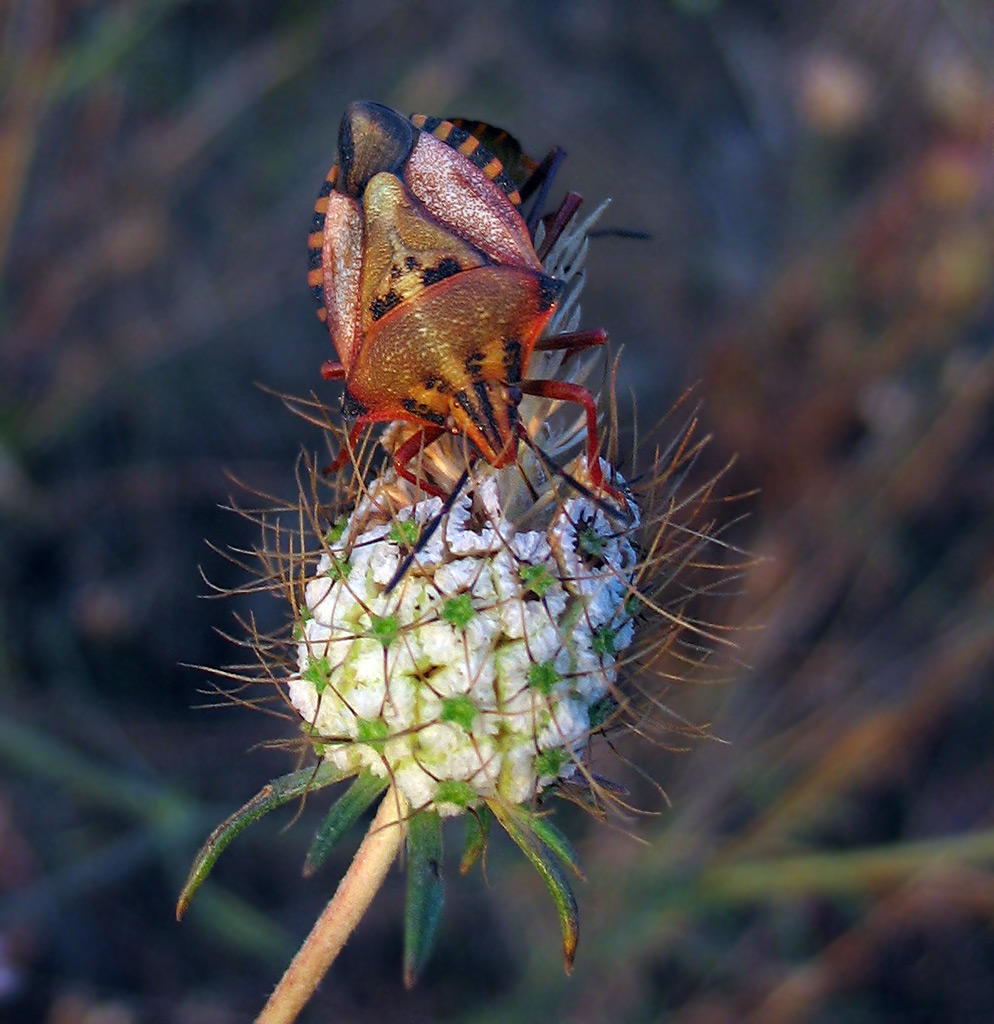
[(427, 278)]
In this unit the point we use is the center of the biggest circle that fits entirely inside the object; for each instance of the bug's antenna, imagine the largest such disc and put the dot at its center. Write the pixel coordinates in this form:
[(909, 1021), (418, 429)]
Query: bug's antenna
[(429, 531), (553, 467)]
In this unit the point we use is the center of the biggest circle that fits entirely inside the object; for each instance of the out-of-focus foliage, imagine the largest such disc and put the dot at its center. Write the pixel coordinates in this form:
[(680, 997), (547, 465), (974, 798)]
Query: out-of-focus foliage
[(816, 179)]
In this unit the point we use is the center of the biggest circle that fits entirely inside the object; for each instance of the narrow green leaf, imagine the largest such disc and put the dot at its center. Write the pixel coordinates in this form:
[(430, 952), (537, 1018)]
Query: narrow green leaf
[(343, 815), (516, 823), (425, 891), (271, 796), (477, 829), (556, 841)]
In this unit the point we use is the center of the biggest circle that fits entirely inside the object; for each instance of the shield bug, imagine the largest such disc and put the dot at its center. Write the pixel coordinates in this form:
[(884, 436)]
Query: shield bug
[(426, 275)]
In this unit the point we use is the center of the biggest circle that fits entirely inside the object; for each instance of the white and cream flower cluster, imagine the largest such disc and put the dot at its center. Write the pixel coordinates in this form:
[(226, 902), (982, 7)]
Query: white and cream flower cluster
[(483, 672)]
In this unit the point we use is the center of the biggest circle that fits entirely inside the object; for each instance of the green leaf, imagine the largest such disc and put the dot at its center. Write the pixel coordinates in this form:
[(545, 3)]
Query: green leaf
[(425, 891), (271, 796), (516, 823), (343, 815), (557, 842), (477, 830)]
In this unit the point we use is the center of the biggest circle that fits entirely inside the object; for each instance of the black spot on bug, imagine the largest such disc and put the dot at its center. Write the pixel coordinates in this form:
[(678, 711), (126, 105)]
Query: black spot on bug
[(446, 268), (411, 262), (326, 189), (493, 435), (463, 399), (422, 411), (380, 306), (549, 290), (431, 123), (318, 223), (313, 259), (351, 406), (474, 364), (317, 290), (512, 360), (481, 157)]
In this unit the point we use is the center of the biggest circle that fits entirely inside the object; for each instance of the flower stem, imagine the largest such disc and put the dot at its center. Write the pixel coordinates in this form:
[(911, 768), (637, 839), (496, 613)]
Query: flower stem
[(351, 900)]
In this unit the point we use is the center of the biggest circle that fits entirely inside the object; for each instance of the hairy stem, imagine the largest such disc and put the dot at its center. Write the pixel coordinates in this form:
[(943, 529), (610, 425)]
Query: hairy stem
[(351, 900)]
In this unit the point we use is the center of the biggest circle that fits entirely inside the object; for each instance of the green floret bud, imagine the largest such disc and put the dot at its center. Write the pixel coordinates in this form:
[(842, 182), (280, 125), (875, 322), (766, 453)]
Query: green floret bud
[(453, 791), (536, 578), (405, 532), (317, 673), (339, 568), (591, 541), (550, 762), (384, 628), (460, 710), (373, 732), (602, 711), (542, 676), (603, 641), (459, 611), (334, 533)]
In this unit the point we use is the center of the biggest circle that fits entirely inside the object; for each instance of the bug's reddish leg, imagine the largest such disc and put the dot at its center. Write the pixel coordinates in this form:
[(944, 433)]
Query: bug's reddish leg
[(415, 444), (566, 392), (336, 371), (343, 456), (576, 341), (555, 225)]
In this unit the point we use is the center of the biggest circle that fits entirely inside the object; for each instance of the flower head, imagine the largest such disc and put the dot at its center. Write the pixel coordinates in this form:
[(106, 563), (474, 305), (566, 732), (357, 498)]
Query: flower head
[(459, 655)]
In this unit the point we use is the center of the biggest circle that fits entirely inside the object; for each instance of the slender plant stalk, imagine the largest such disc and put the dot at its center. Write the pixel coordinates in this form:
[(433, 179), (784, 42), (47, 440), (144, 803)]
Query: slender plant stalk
[(351, 900)]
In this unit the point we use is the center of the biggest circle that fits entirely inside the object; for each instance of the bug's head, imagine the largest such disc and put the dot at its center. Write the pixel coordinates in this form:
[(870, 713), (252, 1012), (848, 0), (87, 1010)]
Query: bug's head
[(487, 413), (371, 138)]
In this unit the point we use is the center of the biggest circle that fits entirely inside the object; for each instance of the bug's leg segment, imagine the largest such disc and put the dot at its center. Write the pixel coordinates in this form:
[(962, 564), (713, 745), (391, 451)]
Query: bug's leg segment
[(556, 224), (541, 180), (566, 392), (344, 454), (575, 341), (413, 446), (332, 371)]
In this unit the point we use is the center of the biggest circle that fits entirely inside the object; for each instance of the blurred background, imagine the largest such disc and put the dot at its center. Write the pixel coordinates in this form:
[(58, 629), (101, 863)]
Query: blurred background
[(816, 179)]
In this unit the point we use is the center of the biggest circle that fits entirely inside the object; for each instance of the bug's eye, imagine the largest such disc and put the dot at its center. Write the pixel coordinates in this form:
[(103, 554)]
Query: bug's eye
[(514, 395), (371, 138)]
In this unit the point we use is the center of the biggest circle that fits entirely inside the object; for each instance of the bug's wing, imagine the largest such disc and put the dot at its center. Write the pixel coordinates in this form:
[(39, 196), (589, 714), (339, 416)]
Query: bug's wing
[(341, 267), (460, 196), (405, 251), (474, 327)]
